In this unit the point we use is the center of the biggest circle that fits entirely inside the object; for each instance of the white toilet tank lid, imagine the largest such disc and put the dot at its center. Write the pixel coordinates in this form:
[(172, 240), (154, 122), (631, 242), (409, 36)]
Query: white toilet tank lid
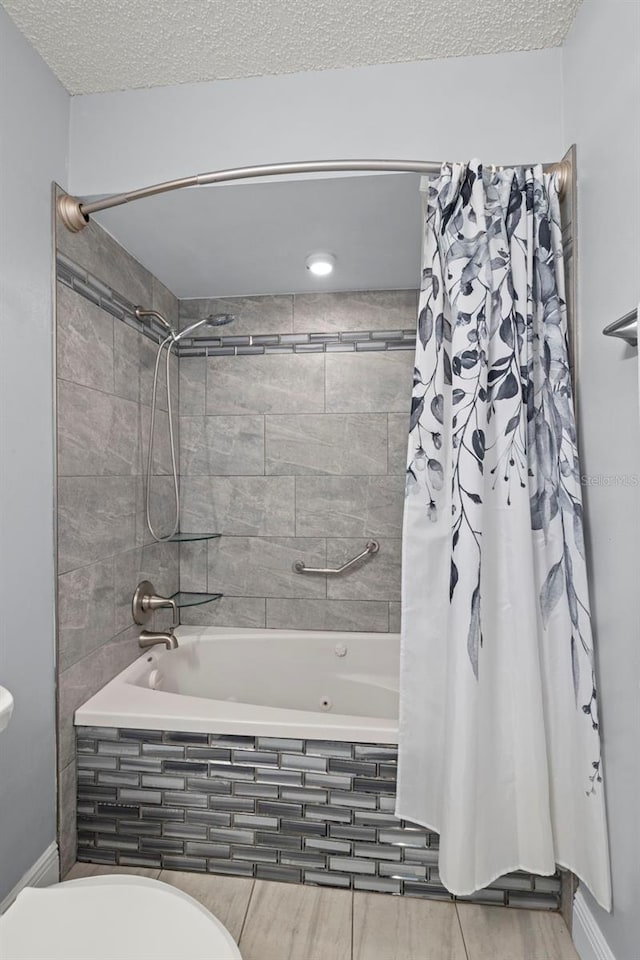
[(112, 918)]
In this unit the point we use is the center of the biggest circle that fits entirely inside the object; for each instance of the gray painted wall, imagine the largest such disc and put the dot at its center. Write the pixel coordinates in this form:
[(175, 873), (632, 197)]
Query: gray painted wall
[(297, 456), (601, 100), (105, 375), (436, 109), (34, 112)]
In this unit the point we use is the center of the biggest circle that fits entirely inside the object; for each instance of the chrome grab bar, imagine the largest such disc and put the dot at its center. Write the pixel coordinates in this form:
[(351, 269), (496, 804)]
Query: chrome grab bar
[(372, 547)]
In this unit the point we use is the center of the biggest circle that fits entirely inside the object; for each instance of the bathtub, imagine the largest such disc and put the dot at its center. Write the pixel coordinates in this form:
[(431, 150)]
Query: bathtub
[(268, 754), (283, 683)]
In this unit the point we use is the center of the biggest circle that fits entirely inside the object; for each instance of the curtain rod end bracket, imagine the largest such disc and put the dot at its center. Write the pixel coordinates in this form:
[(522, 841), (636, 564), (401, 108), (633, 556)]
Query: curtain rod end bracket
[(563, 176), (70, 211)]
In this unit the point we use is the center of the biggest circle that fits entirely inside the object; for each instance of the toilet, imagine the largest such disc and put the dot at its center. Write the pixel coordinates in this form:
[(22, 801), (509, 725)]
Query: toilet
[(114, 917)]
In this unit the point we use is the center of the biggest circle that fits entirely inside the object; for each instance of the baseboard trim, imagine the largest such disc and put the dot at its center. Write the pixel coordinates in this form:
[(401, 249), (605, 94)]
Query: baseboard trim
[(44, 872), (587, 936)]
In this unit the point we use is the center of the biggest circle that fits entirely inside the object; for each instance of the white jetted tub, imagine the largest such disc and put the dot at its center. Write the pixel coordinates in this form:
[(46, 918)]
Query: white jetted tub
[(282, 683)]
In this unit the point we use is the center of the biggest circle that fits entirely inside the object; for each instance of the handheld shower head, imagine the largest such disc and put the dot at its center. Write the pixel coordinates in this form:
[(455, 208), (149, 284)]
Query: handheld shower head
[(167, 345), (213, 320), (220, 319)]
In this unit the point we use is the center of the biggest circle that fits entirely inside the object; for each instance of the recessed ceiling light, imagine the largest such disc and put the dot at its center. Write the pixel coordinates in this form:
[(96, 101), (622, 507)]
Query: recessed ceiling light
[(320, 264)]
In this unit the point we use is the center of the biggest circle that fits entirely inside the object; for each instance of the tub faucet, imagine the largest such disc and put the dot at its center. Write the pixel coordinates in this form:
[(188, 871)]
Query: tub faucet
[(148, 638), (145, 601)]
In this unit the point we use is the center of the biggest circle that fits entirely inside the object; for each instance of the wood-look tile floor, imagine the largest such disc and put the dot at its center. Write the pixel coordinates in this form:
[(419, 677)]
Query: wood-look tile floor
[(282, 921)]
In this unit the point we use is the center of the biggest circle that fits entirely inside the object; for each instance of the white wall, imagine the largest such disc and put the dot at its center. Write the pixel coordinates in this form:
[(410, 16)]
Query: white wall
[(34, 112), (503, 108), (602, 115)]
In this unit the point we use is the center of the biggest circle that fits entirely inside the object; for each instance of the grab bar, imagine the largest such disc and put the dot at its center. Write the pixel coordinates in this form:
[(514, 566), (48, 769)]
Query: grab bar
[(372, 547)]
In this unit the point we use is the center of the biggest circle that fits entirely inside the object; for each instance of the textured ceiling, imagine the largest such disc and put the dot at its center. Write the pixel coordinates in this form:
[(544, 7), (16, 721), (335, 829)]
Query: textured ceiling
[(99, 45)]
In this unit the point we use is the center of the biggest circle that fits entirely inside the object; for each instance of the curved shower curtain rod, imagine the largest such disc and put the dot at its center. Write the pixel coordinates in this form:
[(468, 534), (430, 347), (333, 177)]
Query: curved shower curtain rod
[(75, 214)]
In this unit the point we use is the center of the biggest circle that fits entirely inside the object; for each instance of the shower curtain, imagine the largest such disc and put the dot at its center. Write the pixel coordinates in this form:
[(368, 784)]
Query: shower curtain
[(499, 748)]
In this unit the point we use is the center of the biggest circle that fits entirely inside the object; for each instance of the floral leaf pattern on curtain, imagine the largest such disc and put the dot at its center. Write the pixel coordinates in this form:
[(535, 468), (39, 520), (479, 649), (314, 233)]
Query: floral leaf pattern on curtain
[(510, 362), (499, 747), (498, 703)]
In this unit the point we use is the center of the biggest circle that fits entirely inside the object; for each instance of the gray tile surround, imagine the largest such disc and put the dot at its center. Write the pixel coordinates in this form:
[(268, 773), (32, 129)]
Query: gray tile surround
[(193, 566), (97, 252), (98, 433), (161, 463), (236, 506), (296, 343), (394, 617), (376, 382), (349, 507), (164, 300), (68, 793), (157, 562), (377, 579), (332, 444), (363, 310), (368, 616), (96, 519), (330, 427), (269, 314), (265, 384), (263, 566), (84, 678), (398, 438), (86, 611), (84, 341), (288, 455), (134, 360), (193, 379), (219, 445), (309, 312), (247, 612), (105, 369), (375, 336), (300, 811), (162, 506)]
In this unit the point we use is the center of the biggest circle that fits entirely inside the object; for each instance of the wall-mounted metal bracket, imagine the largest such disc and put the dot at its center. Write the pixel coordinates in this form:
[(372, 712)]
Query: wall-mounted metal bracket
[(626, 328), (70, 211)]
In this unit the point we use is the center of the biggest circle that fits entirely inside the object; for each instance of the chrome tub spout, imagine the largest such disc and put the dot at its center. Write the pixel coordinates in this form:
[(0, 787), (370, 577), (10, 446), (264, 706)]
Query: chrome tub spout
[(148, 638)]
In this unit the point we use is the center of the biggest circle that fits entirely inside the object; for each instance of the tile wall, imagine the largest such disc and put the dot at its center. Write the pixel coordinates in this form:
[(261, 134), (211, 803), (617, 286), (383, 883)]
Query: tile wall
[(301, 811), (104, 377), (297, 452), (293, 453)]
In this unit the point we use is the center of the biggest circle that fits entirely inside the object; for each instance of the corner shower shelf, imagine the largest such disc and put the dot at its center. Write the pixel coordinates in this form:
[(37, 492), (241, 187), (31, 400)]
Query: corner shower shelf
[(191, 537), (185, 599)]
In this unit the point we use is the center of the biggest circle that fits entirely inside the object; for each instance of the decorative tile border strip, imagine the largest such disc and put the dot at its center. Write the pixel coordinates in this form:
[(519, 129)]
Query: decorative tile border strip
[(302, 811), (360, 341), (118, 306), (104, 296)]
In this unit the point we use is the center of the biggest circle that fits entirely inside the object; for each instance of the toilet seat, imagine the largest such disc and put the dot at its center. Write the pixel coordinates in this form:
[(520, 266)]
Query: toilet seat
[(114, 917)]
